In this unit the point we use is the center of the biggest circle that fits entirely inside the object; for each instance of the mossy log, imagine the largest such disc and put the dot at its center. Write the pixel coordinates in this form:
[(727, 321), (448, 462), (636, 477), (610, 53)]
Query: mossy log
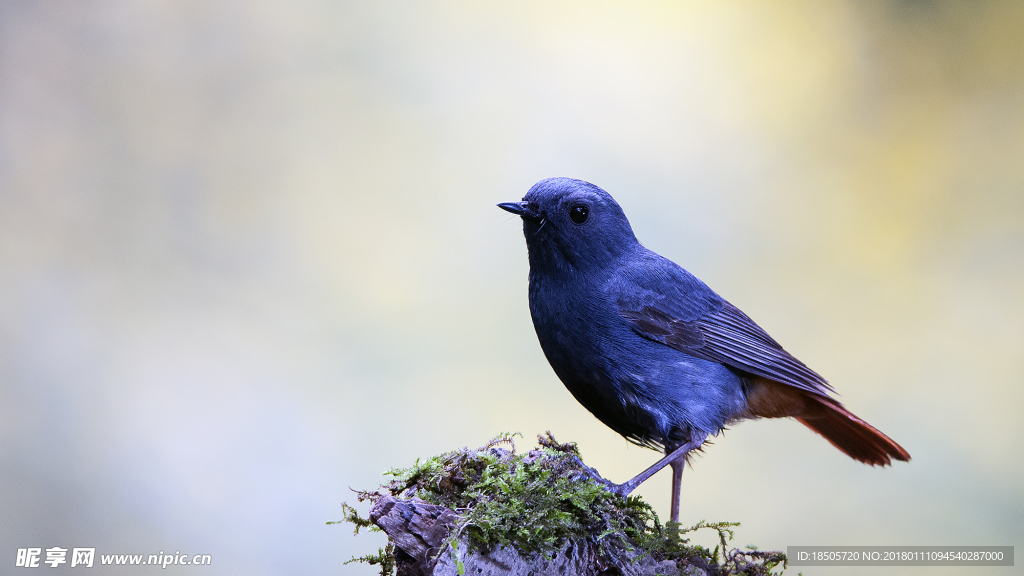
[(493, 511), (420, 530)]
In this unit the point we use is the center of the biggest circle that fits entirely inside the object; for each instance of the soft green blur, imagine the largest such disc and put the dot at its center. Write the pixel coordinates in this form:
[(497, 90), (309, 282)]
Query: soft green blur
[(250, 258)]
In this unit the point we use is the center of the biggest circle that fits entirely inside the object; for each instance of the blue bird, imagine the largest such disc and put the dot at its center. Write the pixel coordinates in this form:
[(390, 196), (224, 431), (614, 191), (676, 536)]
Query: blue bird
[(650, 350)]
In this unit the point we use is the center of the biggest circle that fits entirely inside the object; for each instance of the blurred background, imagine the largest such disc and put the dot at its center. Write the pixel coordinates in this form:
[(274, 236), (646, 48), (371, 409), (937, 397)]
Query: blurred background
[(250, 256)]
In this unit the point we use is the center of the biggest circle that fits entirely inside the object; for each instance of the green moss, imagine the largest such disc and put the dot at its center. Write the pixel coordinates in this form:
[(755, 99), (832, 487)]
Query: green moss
[(538, 500), (353, 517), (385, 557)]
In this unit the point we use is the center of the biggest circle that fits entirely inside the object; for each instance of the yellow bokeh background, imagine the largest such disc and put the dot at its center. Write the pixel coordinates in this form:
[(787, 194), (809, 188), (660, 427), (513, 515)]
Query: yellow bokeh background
[(250, 258)]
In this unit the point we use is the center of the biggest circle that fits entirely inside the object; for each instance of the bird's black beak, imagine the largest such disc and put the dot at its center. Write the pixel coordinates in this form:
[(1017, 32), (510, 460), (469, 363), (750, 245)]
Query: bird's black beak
[(528, 210)]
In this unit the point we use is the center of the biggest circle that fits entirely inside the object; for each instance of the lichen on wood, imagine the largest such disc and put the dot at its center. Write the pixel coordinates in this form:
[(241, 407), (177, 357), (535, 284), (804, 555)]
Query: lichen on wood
[(495, 511)]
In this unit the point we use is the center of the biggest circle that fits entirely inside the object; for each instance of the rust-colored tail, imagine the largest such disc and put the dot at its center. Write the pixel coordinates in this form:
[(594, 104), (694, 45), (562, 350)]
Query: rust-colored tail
[(826, 416), (855, 437)]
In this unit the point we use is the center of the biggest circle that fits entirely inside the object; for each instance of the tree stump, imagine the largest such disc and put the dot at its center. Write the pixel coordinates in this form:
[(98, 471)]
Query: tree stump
[(420, 530), (495, 511)]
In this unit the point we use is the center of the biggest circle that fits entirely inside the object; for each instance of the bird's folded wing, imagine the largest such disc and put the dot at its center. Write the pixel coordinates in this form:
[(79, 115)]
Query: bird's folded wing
[(683, 313)]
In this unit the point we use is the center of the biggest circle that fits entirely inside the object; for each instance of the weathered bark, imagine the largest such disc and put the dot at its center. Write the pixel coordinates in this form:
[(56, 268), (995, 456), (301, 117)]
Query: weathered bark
[(416, 528), (419, 530)]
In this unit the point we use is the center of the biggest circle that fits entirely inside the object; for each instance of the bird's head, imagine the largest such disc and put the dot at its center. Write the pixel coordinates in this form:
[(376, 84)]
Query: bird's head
[(572, 224)]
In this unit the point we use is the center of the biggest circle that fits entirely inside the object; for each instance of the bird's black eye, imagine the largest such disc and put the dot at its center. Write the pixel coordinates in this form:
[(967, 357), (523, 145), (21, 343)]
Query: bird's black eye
[(579, 214)]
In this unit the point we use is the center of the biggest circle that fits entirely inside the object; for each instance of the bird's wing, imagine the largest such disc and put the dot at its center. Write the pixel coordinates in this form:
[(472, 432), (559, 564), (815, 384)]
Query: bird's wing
[(667, 304)]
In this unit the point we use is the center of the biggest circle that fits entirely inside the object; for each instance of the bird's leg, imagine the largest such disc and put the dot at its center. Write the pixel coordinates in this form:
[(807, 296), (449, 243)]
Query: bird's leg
[(678, 454), (677, 479)]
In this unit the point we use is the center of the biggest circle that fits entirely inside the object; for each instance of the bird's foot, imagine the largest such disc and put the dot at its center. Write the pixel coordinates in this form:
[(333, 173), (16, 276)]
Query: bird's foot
[(620, 490)]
